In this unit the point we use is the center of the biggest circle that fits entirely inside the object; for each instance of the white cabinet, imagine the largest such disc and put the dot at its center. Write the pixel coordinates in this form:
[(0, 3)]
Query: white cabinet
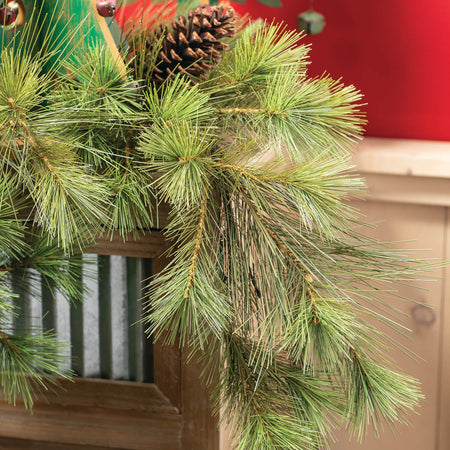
[(409, 195)]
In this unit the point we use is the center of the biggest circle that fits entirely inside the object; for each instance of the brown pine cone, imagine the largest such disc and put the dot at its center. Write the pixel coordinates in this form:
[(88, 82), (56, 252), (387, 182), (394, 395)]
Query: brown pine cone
[(194, 45)]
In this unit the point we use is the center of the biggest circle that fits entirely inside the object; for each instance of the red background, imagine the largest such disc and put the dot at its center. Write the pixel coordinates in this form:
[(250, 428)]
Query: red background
[(397, 52)]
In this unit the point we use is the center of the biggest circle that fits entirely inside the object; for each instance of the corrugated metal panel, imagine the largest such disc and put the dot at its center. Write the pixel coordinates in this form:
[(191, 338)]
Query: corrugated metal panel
[(105, 334)]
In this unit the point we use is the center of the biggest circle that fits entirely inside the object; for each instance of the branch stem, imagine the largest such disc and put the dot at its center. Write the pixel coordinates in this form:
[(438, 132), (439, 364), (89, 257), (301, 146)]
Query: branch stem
[(308, 277), (198, 244), (7, 341), (251, 111), (41, 155), (259, 177)]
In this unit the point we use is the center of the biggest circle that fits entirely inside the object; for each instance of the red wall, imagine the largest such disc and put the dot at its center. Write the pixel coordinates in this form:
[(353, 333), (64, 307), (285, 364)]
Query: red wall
[(397, 52)]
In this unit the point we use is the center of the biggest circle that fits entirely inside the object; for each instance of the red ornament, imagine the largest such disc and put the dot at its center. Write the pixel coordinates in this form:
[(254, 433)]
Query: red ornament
[(106, 8), (9, 13)]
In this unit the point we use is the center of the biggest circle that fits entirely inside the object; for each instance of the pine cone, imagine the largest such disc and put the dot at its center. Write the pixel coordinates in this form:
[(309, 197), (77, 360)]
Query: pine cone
[(194, 46)]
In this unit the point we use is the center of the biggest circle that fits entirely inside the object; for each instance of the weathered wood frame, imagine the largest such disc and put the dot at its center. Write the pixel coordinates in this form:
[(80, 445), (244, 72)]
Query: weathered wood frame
[(170, 414)]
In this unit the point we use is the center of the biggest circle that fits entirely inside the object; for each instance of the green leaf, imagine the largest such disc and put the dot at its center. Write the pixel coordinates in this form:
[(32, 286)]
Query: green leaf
[(272, 3)]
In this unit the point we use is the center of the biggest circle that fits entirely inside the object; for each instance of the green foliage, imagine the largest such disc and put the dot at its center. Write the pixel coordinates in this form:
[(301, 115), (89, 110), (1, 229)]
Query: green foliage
[(259, 53), (31, 358), (29, 363), (11, 226), (267, 275), (267, 270), (376, 394), (178, 101), (180, 152)]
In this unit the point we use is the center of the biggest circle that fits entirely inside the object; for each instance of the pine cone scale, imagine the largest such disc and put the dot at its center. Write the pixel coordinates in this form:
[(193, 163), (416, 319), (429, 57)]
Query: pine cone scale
[(207, 37), (201, 54), (163, 56), (170, 38), (195, 38), (175, 56), (189, 53), (206, 25), (182, 39), (193, 45)]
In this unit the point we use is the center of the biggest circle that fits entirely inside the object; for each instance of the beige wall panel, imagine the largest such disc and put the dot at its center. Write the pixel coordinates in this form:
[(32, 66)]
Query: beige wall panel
[(444, 401), (425, 227)]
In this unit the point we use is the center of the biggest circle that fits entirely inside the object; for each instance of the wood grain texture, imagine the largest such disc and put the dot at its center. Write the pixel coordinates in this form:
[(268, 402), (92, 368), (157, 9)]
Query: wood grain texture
[(23, 444), (167, 359), (179, 378), (443, 406), (200, 428), (418, 227), (121, 415), (148, 245)]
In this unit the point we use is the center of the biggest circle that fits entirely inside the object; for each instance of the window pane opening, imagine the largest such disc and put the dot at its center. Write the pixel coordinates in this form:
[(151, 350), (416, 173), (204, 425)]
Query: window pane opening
[(105, 334)]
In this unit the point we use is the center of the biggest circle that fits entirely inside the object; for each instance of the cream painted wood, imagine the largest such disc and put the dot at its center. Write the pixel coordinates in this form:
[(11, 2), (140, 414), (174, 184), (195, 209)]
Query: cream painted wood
[(443, 425), (404, 157), (409, 191), (405, 171), (409, 195), (424, 226)]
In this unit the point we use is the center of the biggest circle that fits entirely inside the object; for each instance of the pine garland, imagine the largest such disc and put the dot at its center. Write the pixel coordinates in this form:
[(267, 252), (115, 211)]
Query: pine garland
[(267, 272)]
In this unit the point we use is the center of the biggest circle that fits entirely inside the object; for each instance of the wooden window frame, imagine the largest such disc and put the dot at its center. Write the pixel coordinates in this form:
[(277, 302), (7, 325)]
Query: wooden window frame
[(174, 412)]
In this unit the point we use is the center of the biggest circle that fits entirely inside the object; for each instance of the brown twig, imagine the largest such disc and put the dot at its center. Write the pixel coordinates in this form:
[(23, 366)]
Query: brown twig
[(251, 111), (198, 243), (6, 340), (44, 158)]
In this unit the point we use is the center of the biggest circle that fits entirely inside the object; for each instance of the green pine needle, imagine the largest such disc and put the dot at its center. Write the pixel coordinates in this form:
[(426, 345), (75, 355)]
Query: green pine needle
[(29, 363), (270, 276), (257, 54), (180, 153), (377, 395), (177, 101)]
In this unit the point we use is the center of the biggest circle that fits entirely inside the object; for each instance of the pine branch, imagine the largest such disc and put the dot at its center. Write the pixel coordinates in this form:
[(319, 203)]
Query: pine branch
[(29, 363), (75, 200), (99, 106), (256, 55), (259, 404), (314, 190), (378, 395), (177, 101), (36, 146), (179, 152), (252, 111), (303, 117), (12, 230), (51, 262), (188, 299), (197, 247), (133, 202)]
